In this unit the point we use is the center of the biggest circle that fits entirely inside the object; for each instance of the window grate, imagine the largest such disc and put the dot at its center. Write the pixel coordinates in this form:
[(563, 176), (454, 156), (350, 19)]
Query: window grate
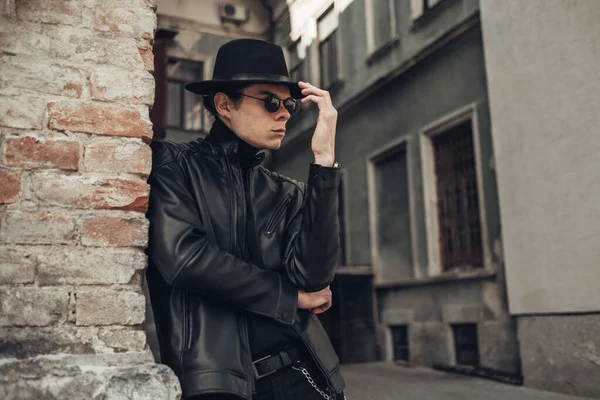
[(400, 340), (465, 344), (458, 204), (184, 109)]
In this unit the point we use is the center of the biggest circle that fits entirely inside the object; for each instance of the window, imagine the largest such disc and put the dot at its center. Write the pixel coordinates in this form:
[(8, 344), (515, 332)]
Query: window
[(183, 109), (297, 62), (380, 24), (420, 7), (465, 344), (390, 212), (328, 51), (457, 199), (400, 342)]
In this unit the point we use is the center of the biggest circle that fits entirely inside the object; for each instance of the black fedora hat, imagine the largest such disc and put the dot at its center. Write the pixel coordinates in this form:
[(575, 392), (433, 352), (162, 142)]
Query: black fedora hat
[(247, 61)]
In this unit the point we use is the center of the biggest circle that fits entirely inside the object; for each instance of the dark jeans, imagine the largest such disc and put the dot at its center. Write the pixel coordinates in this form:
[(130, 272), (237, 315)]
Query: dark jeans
[(287, 384)]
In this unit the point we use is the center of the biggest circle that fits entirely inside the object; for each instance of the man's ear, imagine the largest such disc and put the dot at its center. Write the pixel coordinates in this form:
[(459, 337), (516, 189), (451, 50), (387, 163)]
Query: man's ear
[(222, 105)]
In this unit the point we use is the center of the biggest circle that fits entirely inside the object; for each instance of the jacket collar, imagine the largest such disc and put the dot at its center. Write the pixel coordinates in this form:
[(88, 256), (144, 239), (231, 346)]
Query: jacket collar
[(224, 138)]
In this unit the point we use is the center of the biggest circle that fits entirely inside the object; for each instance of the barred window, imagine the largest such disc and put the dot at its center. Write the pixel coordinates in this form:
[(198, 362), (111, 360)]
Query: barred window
[(184, 110), (465, 343), (400, 341), (458, 205)]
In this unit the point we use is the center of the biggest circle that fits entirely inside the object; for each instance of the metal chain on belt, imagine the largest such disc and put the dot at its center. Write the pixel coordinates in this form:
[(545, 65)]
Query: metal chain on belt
[(313, 384)]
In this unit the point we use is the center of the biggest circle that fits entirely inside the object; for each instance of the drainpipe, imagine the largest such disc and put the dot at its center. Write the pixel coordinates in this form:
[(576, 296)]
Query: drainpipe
[(271, 35)]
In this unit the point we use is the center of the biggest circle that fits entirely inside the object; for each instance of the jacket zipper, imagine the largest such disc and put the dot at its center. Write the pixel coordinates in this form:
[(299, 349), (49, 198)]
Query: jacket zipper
[(277, 216)]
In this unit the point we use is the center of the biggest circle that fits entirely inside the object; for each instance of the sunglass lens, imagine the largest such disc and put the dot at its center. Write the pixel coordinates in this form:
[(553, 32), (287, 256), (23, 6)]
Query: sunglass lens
[(291, 105), (272, 104)]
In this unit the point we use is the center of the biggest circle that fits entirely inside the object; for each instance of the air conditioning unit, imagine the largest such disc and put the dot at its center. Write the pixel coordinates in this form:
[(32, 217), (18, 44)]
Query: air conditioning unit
[(233, 13)]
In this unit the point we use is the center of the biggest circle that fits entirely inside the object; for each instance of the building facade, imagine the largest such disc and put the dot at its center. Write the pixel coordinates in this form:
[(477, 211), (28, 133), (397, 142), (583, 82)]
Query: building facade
[(422, 277)]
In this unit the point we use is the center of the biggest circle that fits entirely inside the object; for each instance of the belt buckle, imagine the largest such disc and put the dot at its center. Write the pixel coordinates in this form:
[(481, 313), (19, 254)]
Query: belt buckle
[(256, 374)]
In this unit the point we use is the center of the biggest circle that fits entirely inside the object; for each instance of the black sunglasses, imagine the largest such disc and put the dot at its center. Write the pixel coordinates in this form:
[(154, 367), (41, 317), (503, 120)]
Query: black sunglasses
[(272, 103)]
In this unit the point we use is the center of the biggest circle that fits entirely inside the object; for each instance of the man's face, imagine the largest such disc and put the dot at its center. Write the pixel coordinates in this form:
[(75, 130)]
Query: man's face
[(254, 124)]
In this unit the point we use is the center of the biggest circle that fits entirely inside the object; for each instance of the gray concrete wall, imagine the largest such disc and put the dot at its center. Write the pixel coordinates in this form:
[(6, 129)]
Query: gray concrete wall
[(452, 78), (561, 353), (542, 61)]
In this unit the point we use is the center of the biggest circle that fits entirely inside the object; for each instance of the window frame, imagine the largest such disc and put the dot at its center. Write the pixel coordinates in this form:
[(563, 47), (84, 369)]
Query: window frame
[(182, 83), (430, 199), (400, 144), (374, 50), (332, 36)]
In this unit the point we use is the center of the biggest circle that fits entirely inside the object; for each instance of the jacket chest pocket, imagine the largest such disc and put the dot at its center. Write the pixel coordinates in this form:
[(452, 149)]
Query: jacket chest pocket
[(272, 237), (278, 214)]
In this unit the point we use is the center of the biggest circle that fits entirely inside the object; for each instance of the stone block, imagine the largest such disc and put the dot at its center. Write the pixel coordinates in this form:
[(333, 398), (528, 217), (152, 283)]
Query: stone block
[(90, 192), (118, 155), (23, 112), (10, 182), (32, 152), (17, 265), (32, 306), (561, 353), (121, 85), (72, 378), (103, 306), (42, 76), (99, 119), (123, 339), (89, 266), (25, 342), (36, 227)]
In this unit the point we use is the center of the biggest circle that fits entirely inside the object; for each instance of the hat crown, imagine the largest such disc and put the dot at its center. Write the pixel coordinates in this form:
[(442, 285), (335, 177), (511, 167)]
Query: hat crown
[(249, 57)]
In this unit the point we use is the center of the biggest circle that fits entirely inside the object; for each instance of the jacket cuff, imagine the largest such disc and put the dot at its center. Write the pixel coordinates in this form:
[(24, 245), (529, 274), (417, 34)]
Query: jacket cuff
[(324, 177), (287, 305)]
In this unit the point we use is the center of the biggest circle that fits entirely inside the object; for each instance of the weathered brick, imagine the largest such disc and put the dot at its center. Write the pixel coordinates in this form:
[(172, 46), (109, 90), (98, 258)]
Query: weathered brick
[(7, 8), (116, 155), (123, 339), (32, 306), (32, 152), (64, 12), (85, 192), (89, 266), (42, 76), (131, 21), (17, 265), (25, 342), (36, 227), (10, 186), (22, 112), (148, 59), (98, 119), (103, 230), (109, 307), (116, 84)]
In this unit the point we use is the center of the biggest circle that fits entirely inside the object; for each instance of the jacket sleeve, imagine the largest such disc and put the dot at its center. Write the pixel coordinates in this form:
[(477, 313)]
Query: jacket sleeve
[(178, 246), (313, 251)]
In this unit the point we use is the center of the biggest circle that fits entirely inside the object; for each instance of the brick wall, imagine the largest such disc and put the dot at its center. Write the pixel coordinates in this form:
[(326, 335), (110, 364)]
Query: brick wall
[(76, 86)]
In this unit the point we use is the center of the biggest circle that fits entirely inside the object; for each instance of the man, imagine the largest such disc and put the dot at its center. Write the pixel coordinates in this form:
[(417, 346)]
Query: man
[(241, 258)]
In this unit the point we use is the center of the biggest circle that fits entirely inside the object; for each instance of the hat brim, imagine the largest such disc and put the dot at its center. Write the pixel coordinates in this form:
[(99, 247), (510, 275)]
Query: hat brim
[(204, 87)]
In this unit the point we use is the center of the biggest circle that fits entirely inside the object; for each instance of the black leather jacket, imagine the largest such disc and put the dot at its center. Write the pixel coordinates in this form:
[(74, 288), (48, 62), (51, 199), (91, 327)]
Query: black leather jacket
[(201, 290)]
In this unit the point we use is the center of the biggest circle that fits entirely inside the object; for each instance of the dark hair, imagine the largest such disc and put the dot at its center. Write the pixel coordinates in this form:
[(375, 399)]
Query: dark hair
[(233, 92)]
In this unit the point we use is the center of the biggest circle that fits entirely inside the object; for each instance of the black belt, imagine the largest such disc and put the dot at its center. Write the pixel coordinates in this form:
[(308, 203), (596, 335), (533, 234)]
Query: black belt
[(270, 364)]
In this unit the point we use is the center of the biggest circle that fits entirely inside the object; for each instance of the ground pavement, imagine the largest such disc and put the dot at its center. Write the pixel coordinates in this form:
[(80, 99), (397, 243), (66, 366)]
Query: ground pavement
[(386, 381)]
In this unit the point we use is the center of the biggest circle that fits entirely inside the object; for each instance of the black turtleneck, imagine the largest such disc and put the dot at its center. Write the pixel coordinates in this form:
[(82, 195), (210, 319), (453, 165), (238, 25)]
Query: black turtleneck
[(265, 334), (220, 133)]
